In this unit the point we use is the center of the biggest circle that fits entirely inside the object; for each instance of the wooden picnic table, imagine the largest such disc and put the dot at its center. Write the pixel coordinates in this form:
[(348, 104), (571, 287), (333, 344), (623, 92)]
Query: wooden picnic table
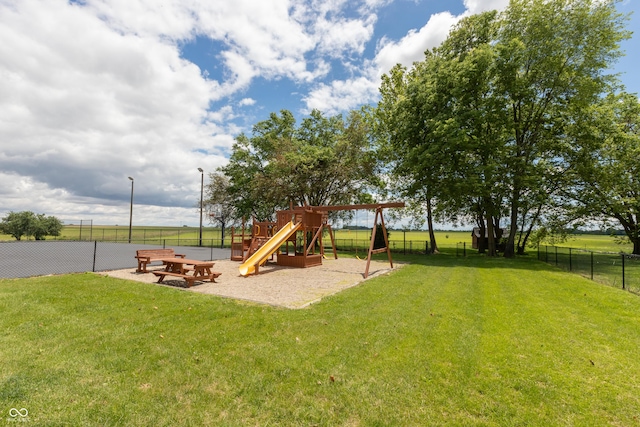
[(188, 269)]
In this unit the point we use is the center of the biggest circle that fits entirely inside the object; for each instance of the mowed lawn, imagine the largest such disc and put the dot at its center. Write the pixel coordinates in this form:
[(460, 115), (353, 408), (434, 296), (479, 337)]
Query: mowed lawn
[(444, 341)]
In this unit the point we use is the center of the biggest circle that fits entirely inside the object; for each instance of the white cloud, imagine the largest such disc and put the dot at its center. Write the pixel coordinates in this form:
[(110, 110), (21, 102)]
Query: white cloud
[(479, 6), (344, 35), (411, 47), (225, 113), (260, 37), (374, 4), (83, 106), (342, 95), (247, 102)]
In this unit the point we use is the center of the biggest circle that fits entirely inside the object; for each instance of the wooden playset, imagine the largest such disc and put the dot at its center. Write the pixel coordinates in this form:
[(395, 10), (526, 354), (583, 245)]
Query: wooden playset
[(296, 237)]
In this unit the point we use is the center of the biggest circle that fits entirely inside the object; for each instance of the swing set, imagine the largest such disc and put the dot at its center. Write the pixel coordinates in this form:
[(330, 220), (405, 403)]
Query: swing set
[(299, 230)]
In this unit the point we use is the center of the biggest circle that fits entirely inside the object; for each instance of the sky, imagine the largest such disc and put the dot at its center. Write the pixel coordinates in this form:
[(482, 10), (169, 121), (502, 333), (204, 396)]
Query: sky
[(93, 92)]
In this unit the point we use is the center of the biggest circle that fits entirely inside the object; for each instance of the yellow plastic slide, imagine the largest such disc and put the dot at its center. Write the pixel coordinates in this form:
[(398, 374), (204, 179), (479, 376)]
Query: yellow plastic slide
[(266, 250)]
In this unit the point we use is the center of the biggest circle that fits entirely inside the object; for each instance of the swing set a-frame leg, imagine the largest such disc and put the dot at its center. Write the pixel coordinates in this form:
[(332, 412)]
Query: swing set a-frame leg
[(333, 241), (373, 239)]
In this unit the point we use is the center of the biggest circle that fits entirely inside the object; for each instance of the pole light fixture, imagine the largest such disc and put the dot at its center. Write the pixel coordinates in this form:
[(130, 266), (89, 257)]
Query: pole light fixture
[(131, 210), (201, 200)]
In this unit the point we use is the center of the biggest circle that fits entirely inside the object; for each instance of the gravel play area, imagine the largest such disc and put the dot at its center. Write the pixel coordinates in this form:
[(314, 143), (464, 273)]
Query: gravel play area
[(275, 285)]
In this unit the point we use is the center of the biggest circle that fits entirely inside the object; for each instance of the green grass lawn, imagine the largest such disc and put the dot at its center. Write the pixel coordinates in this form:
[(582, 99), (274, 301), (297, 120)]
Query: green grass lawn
[(445, 341)]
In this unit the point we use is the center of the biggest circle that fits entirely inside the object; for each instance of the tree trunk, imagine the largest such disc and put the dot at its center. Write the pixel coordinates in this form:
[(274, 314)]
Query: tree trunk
[(482, 240), (631, 228), (433, 246), (522, 244), (491, 237), (509, 249)]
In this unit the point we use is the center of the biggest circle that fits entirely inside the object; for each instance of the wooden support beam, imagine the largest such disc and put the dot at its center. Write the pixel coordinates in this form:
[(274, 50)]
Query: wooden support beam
[(333, 241), (313, 241), (352, 207)]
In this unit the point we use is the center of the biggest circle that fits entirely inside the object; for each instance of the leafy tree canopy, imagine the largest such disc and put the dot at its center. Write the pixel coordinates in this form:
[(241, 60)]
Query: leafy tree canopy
[(26, 223), (479, 128), (321, 161), (606, 155)]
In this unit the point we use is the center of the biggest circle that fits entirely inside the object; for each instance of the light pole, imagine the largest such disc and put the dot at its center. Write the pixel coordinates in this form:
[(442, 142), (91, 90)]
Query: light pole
[(131, 210), (201, 201)]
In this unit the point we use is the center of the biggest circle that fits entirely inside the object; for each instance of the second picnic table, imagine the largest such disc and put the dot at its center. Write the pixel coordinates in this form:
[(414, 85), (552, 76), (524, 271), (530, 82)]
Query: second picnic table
[(188, 269)]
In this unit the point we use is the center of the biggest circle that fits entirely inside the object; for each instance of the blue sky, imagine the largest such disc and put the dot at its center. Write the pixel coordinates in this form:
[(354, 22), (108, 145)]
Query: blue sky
[(94, 91)]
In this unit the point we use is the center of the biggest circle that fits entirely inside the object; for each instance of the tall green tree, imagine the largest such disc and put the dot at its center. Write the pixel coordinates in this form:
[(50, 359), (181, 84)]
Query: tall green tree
[(607, 164), (552, 62), (27, 223), (484, 116), (443, 127), (321, 161), (219, 203), (402, 144)]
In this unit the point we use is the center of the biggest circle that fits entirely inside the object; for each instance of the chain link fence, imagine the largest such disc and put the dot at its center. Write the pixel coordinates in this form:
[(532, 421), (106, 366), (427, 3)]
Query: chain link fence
[(39, 258)]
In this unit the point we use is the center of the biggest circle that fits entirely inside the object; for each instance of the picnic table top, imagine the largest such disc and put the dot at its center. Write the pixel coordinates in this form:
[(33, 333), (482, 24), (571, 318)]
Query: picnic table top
[(185, 261)]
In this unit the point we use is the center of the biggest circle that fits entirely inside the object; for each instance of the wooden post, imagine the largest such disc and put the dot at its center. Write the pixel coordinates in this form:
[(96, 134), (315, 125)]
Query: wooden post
[(333, 241), (373, 238)]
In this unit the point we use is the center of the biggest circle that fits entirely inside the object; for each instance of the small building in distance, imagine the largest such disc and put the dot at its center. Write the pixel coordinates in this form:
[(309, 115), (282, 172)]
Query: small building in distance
[(475, 237)]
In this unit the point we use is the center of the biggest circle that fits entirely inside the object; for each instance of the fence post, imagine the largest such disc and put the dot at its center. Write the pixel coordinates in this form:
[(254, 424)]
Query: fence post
[(464, 249), (591, 265), (570, 265), (426, 247), (623, 284), (556, 255), (404, 242), (95, 249)]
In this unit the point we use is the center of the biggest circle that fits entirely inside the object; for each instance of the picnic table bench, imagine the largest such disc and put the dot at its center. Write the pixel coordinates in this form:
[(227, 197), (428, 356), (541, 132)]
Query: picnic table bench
[(146, 256), (187, 269)]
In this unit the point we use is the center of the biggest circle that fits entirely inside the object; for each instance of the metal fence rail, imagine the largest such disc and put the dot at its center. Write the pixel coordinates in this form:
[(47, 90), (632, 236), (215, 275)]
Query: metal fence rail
[(39, 258), (619, 270)]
